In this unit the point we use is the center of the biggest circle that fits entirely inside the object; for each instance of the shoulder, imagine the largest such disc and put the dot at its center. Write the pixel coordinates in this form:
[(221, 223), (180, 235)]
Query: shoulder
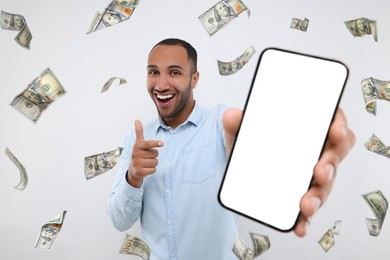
[(212, 117)]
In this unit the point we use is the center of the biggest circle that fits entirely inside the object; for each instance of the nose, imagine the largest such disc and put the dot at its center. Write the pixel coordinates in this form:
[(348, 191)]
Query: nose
[(162, 83)]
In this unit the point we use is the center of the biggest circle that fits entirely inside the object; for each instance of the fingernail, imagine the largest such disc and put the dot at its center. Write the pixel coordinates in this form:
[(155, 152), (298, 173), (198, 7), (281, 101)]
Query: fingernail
[(160, 143), (315, 202), (330, 170)]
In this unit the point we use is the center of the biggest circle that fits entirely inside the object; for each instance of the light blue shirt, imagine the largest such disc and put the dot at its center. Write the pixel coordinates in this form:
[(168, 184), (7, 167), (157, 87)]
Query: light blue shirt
[(181, 217)]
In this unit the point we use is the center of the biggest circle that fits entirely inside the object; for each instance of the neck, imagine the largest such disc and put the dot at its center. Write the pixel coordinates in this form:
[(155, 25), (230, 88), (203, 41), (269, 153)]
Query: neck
[(179, 119)]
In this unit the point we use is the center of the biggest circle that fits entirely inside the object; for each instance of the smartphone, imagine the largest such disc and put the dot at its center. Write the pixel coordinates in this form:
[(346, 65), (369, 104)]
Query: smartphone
[(287, 115)]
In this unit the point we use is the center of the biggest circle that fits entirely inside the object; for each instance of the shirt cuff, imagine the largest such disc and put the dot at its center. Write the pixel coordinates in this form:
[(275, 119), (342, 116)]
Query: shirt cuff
[(129, 192)]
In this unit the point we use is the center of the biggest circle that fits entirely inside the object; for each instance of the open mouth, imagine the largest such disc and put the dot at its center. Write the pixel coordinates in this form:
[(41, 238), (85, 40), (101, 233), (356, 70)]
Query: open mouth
[(164, 98)]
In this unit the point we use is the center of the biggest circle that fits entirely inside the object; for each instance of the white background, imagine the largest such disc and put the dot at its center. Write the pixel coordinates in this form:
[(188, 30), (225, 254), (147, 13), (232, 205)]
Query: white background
[(84, 122)]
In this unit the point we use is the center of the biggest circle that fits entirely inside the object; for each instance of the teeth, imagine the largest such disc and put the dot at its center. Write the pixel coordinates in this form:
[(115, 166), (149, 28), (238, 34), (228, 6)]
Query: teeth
[(164, 96)]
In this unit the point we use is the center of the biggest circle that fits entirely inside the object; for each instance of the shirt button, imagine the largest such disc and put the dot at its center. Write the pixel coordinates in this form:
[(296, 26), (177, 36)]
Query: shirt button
[(167, 191)]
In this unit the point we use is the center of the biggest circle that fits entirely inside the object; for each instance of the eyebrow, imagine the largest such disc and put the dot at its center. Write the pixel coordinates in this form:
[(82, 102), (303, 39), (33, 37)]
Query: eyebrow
[(169, 67)]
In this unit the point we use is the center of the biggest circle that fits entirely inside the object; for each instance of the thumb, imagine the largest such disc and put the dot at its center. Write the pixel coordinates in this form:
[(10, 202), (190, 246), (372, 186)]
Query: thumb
[(231, 120), (139, 131)]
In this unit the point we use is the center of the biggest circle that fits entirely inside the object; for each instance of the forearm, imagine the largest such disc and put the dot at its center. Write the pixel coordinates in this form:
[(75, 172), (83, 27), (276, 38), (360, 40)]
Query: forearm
[(124, 205)]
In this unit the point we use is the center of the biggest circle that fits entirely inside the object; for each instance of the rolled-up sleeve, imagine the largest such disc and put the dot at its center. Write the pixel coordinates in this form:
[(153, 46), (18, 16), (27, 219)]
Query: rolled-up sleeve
[(124, 203)]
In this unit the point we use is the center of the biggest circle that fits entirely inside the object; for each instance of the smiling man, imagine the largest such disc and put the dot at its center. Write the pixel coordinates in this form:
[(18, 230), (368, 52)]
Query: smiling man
[(171, 169)]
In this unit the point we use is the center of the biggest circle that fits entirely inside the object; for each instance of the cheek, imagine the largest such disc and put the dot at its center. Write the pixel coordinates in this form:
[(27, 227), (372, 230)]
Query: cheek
[(149, 84)]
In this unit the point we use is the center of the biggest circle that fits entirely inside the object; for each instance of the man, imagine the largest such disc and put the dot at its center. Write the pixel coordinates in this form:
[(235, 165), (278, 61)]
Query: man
[(171, 169)]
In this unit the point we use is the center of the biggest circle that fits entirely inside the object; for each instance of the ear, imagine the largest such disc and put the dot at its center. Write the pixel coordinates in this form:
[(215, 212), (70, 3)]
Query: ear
[(194, 79)]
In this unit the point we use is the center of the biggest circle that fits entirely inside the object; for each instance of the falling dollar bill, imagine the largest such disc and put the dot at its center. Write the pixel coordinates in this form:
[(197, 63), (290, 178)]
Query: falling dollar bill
[(261, 244), (39, 94), (17, 22), (97, 164), (241, 249), (23, 174), (374, 144), (362, 26), (109, 82), (299, 24), (378, 204), (327, 240), (221, 14), (135, 246), (117, 11), (49, 232), (336, 227), (374, 89), (228, 68)]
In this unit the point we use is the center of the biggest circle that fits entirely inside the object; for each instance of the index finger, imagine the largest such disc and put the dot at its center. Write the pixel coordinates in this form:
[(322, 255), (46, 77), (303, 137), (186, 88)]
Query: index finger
[(149, 144), (139, 131)]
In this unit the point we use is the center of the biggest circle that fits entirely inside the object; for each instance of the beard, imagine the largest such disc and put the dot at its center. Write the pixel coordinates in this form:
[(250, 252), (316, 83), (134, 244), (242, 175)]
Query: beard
[(180, 106)]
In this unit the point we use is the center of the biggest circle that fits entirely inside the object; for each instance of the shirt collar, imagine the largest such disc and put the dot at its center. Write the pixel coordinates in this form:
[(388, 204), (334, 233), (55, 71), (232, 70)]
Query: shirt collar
[(194, 118)]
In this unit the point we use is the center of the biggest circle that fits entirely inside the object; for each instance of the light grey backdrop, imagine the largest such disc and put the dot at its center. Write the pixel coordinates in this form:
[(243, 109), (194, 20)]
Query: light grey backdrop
[(85, 122)]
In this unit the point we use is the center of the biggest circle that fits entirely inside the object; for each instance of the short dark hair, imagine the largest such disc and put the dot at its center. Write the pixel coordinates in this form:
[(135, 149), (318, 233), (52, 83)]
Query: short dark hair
[(191, 52)]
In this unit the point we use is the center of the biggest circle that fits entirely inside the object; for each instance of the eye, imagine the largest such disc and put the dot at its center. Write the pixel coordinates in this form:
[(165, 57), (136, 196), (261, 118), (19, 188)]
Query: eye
[(153, 72), (175, 73)]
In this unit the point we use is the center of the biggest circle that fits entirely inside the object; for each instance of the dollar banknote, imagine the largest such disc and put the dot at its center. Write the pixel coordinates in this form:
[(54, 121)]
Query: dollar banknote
[(49, 232), (336, 227), (16, 22), (327, 241), (379, 205), (261, 244), (362, 26), (374, 89), (23, 174), (97, 164), (116, 12), (39, 94), (374, 144), (221, 14), (135, 246), (299, 24), (228, 68), (109, 82)]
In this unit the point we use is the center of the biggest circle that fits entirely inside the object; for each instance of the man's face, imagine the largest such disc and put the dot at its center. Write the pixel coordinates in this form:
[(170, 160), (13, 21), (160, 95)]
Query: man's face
[(235, 65), (101, 162), (170, 82), (361, 25), (18, 21), (367, 87), (222, 9)]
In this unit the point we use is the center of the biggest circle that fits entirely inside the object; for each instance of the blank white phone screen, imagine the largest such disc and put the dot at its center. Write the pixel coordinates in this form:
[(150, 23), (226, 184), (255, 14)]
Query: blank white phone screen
[(287, 115)]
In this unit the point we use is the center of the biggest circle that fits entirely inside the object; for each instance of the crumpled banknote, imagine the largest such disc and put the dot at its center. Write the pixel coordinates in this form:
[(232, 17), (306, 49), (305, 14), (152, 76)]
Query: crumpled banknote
[(16, 22), (39, 94), (109, 83), (379, 205), (374, 144), (221, 14), (362, 26), (327, 240), (374, 89), (299, 24), (135, 246), (261, 244), (116, 12), (49, 232), (228, 68), (97, 164), (23, 173)]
